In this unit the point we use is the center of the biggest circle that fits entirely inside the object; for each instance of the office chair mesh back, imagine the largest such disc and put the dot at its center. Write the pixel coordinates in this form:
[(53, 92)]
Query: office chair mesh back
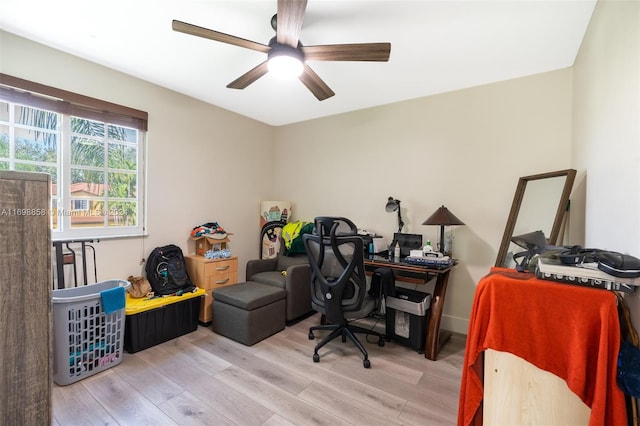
[(339, 286), (337, 268)]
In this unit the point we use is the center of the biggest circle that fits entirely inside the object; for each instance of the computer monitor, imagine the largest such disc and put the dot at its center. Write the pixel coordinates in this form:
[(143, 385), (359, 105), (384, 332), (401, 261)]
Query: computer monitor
[(407, 242)]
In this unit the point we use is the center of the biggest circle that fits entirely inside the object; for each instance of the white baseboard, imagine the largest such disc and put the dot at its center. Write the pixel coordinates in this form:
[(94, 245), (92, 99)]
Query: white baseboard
[(455, 324)]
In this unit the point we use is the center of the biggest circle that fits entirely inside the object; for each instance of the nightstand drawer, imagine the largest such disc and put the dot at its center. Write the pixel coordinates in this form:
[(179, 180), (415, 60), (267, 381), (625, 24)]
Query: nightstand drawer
[(211, 274), (220, 267), (213, 281)]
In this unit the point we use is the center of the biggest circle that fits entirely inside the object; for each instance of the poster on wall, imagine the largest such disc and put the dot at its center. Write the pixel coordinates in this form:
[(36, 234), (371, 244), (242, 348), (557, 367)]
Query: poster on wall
[(273, 216)]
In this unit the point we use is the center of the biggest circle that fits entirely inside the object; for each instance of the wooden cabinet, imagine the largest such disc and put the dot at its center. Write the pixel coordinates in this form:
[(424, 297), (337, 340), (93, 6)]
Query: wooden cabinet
[(211, 274), (518, 392), (551, 375), (25, 299)]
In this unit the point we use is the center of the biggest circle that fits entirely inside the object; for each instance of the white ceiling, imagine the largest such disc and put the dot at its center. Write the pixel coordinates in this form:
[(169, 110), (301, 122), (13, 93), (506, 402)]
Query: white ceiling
[(436, 46)]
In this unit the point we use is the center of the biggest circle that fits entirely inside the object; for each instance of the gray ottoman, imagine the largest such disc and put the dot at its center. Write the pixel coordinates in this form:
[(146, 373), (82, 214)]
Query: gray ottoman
[(248, 312)]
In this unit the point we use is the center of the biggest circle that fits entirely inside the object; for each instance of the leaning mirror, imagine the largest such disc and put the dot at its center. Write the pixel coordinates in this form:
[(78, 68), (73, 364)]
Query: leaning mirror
[(540, 204)]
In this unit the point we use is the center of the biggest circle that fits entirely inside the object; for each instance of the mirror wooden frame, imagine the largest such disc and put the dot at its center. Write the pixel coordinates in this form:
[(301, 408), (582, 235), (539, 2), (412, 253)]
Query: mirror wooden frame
[(570, 175)]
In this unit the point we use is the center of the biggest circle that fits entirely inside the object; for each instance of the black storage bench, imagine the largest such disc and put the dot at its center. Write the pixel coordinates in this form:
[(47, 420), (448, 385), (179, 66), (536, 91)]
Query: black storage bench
[(149, 322), (248, 312)]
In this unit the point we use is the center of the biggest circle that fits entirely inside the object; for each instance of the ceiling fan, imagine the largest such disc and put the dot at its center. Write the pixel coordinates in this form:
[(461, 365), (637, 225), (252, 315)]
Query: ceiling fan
[(286, 47)]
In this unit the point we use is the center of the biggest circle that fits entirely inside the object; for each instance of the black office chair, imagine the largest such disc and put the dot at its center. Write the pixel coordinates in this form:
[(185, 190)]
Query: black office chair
[(338, 284)]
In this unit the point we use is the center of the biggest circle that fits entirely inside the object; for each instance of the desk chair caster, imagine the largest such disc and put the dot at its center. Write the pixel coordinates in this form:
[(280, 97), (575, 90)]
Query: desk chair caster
[(365, 362)]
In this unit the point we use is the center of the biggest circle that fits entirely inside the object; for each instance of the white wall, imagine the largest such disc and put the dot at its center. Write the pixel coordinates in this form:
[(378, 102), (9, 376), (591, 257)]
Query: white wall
[(464, 149), (606, 130), (204, 163)]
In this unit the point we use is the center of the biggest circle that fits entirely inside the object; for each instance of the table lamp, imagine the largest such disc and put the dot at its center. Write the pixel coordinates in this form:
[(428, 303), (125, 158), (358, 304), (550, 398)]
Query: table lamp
[(442, 217), (393, 205)]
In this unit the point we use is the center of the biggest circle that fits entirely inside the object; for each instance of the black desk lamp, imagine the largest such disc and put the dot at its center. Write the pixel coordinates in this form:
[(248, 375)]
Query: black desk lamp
[(392, 206), (442, 217)]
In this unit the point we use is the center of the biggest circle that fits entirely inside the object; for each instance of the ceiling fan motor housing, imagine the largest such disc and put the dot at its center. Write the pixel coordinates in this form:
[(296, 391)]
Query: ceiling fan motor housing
[(278, 49)]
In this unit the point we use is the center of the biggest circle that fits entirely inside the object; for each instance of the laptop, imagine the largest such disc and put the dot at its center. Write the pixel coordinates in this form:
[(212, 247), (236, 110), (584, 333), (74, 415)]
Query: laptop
[(407, 242)]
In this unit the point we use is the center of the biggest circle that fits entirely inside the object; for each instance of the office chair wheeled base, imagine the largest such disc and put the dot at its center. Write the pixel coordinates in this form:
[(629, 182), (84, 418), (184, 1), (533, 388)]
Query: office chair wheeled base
[(344, 331)]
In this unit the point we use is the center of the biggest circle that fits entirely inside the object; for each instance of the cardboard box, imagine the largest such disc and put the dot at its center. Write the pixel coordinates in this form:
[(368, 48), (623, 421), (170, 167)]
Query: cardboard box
[(205, 243)]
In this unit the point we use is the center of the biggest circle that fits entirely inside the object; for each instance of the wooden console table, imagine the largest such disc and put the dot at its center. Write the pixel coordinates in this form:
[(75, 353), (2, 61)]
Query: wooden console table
[(419, 274)]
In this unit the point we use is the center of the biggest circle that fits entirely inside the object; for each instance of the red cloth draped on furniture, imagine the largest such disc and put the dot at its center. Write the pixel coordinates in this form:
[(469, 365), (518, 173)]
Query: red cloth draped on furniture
[(570, 331)]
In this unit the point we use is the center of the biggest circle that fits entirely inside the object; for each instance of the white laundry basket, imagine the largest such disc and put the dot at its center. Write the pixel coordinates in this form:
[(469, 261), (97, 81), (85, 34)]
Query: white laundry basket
[(86, 340)]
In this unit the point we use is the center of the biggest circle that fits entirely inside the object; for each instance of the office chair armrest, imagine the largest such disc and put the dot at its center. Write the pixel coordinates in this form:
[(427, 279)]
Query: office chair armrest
[(255, 266)]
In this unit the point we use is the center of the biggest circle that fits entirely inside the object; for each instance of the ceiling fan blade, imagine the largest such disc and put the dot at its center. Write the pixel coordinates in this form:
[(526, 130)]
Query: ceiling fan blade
[(249, 77), (195, 30), (377, 52), (315, 84), (290, 16)]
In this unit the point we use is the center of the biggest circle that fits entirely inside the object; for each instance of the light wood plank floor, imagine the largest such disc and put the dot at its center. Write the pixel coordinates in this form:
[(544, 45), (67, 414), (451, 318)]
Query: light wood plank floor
[(205, 379)]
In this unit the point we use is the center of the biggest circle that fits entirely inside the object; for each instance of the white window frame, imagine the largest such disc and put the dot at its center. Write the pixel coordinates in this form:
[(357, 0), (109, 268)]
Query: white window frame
[(106, 231), (64, 212)]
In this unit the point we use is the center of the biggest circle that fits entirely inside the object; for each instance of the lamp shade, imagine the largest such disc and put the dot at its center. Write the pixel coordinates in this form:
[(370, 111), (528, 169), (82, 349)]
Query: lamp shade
[(392, 205), (443, 216)]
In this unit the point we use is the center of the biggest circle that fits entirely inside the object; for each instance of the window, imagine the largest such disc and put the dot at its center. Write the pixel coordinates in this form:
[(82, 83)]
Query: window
[(95, 160), (79, 205)]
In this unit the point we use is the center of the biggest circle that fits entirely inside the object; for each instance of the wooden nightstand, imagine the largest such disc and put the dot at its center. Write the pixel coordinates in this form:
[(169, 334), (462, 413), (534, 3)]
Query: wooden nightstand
[(210, 274)]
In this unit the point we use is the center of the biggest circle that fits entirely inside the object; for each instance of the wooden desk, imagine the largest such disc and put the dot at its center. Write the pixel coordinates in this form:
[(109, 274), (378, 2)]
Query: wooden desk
[(419, 274)]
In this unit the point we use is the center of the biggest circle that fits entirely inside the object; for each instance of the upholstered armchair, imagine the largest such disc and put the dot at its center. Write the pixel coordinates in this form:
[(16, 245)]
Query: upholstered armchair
[(291, 273)]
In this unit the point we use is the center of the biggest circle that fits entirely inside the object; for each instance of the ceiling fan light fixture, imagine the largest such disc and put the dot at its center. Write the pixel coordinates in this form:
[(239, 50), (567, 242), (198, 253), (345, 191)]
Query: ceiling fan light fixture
[(285, 62), (286, 55)]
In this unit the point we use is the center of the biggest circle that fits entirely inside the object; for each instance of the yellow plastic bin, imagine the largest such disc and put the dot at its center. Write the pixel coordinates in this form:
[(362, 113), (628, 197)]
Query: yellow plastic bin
[(153, 321)]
